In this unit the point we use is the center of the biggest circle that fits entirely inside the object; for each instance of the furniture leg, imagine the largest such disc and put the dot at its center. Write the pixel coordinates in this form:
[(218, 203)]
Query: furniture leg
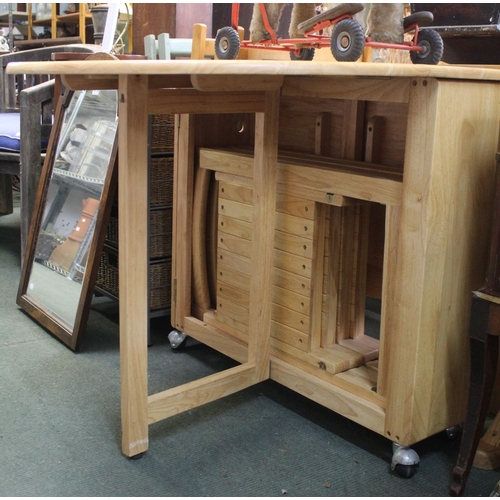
[(487, 456), (264, 205), (6, 203), (133, 271), (484, 356)]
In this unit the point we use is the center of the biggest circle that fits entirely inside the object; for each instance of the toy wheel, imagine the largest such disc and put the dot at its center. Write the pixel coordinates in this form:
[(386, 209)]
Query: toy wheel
[(347, 41), (406, 471), (227, 43), (302, 55), (432, 45)]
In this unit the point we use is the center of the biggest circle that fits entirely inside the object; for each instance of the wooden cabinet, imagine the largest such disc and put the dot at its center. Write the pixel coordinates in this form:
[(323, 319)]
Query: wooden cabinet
[(304, 152)]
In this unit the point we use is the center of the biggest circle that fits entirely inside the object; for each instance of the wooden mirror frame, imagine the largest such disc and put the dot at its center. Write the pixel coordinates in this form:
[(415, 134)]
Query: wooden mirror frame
[(73, 338)]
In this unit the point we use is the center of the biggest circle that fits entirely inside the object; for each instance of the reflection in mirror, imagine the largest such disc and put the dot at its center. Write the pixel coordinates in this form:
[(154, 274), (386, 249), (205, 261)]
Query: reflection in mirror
[(70, 207)]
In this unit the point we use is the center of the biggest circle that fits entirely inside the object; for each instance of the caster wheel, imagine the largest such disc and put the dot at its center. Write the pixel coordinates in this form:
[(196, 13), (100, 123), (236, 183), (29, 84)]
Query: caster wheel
[(177, 339), (453, 432), (138, 456), (405, 471), (404, 461)]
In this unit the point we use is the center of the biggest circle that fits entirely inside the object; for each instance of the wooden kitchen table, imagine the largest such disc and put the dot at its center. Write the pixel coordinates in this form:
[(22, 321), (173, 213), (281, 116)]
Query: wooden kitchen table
[(334, 182)]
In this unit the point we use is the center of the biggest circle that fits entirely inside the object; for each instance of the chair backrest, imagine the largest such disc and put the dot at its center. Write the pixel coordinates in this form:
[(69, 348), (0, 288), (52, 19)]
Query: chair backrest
[(12, 85), (166, 48)]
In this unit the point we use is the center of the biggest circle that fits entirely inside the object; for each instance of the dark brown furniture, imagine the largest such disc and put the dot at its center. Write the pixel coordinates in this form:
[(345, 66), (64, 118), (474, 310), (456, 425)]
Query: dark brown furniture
[(470, 31), (484, 333)]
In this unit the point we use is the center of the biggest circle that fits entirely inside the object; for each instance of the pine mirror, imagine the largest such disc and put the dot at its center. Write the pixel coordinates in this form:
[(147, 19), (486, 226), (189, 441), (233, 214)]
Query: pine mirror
[(71, 212)]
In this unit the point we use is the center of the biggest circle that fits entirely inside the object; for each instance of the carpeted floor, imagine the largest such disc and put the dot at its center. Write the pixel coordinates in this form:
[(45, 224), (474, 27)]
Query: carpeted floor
[(60, 423)]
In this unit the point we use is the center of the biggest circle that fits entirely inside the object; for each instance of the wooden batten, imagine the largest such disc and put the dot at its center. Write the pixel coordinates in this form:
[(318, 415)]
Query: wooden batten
[(349, 88), (239, 83), (369, 182), (193, 394), (216, 338), (356, 408), (190, 101)]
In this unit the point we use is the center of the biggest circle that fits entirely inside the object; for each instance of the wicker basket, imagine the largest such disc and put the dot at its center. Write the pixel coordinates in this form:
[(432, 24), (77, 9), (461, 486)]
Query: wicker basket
[(159, 280), (160, 240), (162, 133), (111, 237), (161, 181), (160, 230)]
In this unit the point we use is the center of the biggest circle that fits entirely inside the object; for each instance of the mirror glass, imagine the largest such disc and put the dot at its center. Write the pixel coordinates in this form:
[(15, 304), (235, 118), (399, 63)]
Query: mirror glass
[(84, 152)]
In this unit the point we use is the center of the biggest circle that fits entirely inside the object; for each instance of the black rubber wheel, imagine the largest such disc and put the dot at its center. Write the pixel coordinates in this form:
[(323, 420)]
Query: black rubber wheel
[(302, 55), (227, 43), (347, 41), (433, 46), (406, 471)]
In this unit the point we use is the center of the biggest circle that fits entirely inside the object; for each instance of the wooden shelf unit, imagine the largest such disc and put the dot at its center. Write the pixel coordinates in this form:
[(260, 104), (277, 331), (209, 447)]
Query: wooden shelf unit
[(80, 18)]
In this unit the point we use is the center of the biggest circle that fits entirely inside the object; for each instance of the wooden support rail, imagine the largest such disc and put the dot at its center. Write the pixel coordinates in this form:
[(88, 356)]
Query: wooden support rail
[(199, 392)]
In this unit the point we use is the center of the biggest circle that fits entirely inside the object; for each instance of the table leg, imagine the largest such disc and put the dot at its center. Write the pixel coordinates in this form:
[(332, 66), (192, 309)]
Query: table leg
[(484, 356), (264, 206), (133, 268)]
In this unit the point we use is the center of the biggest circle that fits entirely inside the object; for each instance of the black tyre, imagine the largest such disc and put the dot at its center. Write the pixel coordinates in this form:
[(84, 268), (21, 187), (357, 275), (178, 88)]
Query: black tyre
[(227, 43), (432, 45), (347, 41), (302, 55)]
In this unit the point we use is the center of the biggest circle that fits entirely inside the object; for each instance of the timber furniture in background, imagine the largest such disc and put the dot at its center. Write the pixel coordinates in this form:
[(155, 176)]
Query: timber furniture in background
[(32, 98), (483, 451)]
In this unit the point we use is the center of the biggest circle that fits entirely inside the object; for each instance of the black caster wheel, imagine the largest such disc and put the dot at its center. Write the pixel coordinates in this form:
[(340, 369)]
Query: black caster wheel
[(405, 461), (405, 471), (453, 432)]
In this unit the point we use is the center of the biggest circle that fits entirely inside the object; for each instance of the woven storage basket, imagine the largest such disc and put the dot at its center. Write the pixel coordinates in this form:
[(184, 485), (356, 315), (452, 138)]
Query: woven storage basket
[(159, 280), (162, 133), (111, 237), (160, 227), (161, 181), (160, 241)]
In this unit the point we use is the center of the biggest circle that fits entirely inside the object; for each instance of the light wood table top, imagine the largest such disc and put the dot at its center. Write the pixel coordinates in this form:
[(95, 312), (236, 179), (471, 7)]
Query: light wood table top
[(255, 67)]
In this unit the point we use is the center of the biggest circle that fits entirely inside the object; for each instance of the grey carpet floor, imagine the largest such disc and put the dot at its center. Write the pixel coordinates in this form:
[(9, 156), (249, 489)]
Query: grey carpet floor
[(60, 423)]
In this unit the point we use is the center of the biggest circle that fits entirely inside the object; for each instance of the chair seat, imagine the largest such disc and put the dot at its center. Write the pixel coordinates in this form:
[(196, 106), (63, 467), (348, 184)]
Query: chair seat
[(10, 132)]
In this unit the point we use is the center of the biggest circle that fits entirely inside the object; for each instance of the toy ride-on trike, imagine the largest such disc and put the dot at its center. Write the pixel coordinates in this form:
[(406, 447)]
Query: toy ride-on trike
[(347, 40)]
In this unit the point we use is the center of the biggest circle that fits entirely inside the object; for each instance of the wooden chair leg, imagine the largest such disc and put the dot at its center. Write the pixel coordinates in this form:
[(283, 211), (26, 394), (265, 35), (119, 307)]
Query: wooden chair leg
[(487, 456), (484, 356), (6, 201)]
